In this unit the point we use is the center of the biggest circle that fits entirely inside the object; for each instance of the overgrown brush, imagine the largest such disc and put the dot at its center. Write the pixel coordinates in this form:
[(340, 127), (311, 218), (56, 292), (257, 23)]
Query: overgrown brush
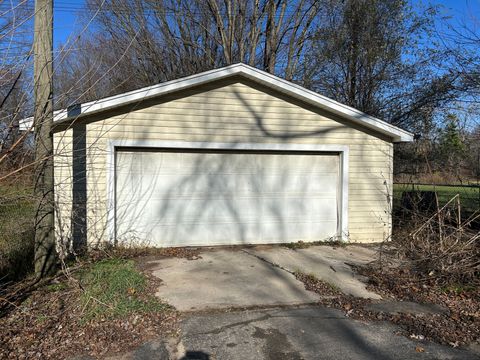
[(441, 244), (17, 212)]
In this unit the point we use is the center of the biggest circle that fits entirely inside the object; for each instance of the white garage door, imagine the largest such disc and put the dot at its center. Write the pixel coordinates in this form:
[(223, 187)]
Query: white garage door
[(203, 198)]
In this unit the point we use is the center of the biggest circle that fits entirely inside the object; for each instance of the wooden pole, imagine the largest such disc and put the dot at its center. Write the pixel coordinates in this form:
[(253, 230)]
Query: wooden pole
[(45, 253)]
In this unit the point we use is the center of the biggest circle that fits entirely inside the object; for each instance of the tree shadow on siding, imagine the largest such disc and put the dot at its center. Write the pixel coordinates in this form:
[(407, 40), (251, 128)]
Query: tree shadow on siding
[(206, 173), (262, 129)]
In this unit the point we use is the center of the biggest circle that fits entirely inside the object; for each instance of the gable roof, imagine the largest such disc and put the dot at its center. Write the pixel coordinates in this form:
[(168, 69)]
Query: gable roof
[(248, 72)]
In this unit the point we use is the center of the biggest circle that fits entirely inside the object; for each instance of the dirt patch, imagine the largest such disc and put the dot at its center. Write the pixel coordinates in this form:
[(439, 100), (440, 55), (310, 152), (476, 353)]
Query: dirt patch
[(144, 252), (320, 287), (146, 257), (305, 245), (51, 323), (331, 296), (459, 326)]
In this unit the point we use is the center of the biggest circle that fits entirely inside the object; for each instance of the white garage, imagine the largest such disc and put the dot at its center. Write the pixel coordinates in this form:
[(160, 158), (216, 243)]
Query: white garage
[(186, 197), (229, 156)]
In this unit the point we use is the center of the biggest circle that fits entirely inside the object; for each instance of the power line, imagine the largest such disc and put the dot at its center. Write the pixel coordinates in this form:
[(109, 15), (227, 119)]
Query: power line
[(124, 9)]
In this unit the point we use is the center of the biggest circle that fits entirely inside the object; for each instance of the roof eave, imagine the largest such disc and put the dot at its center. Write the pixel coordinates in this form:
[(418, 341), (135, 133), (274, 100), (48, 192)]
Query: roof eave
[(299, 92), (269, 80)]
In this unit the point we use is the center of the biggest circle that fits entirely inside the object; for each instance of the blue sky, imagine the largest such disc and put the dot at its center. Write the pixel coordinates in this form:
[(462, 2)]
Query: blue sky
[(67, 14), (459, 6), (66, 17)]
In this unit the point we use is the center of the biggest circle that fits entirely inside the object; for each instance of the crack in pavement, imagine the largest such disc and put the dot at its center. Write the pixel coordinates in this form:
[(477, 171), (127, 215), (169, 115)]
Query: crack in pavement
[(268, 262), (229, 326), (266, 317)]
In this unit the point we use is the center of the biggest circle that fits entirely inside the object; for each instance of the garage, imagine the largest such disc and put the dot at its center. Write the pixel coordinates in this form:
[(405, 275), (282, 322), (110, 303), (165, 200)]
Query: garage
[(229, 156), (180, 197)]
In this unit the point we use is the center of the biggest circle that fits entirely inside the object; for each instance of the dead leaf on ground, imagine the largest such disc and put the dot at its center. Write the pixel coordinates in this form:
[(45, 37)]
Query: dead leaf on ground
[(419, 349)]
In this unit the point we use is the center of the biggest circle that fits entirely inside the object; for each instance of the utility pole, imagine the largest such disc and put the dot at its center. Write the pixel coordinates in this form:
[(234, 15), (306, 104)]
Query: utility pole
[(45, 253)]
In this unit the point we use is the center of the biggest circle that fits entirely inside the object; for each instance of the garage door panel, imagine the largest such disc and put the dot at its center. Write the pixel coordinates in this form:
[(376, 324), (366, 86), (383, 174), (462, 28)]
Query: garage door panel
[(318, 209), (324, 185), (187, 210), (216, 233), (294, 230), (179, 199)]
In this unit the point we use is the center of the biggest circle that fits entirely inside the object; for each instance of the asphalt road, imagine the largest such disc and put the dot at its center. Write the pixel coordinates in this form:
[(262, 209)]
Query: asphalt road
[(305, 333), (293, 334)]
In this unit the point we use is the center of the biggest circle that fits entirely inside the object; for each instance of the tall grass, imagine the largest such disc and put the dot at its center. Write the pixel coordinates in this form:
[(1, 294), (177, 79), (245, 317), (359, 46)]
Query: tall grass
[(17, 210)]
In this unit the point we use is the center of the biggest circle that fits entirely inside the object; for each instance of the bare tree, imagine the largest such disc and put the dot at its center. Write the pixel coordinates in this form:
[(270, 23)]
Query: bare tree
[(460, 39), (167, 39), (14, 59), (381, 57)]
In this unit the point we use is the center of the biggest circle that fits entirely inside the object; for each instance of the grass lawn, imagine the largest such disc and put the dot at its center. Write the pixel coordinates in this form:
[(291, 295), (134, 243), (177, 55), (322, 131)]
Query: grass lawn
[(16, 204), (469, 196), (115, 288)]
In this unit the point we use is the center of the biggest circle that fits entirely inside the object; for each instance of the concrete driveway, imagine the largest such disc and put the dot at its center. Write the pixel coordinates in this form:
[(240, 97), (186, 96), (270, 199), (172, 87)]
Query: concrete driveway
[(274, 319), (258, 276)]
